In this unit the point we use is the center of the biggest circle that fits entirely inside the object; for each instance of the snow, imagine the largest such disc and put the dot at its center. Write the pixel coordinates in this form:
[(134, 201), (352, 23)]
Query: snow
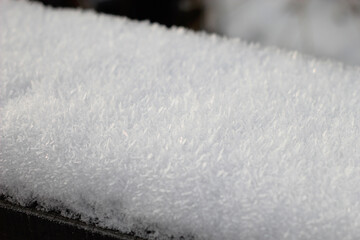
[(324, 28), (136, 127)]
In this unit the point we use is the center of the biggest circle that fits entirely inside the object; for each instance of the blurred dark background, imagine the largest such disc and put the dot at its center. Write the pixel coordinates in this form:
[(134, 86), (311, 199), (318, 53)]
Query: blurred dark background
[(187, 13)]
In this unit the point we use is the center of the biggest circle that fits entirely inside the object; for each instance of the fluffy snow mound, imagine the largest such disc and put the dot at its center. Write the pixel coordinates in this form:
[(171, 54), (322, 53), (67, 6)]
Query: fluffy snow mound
[(139, 128), (326, 28)]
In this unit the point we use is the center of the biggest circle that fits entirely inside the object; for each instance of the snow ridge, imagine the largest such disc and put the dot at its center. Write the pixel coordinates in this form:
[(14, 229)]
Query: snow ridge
[(139, 128)]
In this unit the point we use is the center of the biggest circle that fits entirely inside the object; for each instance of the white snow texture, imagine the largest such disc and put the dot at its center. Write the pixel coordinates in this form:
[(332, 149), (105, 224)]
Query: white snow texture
[(136, 127)]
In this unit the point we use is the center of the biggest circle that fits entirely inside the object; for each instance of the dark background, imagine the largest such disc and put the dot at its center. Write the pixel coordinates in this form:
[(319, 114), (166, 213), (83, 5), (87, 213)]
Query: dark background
[(187, 13)]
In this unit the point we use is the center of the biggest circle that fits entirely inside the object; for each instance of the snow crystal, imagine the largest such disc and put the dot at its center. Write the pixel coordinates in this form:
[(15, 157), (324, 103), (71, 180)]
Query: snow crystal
[(136, 127)]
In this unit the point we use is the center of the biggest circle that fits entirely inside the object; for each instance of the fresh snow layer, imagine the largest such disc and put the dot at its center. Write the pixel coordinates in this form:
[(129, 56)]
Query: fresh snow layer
[(326, 28), (165, 133)]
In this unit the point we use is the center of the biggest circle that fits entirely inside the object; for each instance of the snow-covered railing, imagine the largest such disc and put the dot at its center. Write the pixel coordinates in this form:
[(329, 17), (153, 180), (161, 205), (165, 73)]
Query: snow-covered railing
[(135, 127)]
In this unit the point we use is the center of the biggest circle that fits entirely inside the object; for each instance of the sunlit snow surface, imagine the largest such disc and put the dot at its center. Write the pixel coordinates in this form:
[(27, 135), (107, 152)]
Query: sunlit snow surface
[(326, 28), (139, 128)]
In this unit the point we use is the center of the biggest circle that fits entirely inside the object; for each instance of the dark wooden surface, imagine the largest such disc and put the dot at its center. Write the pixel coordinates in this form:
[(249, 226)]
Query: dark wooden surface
[(19, 223)]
